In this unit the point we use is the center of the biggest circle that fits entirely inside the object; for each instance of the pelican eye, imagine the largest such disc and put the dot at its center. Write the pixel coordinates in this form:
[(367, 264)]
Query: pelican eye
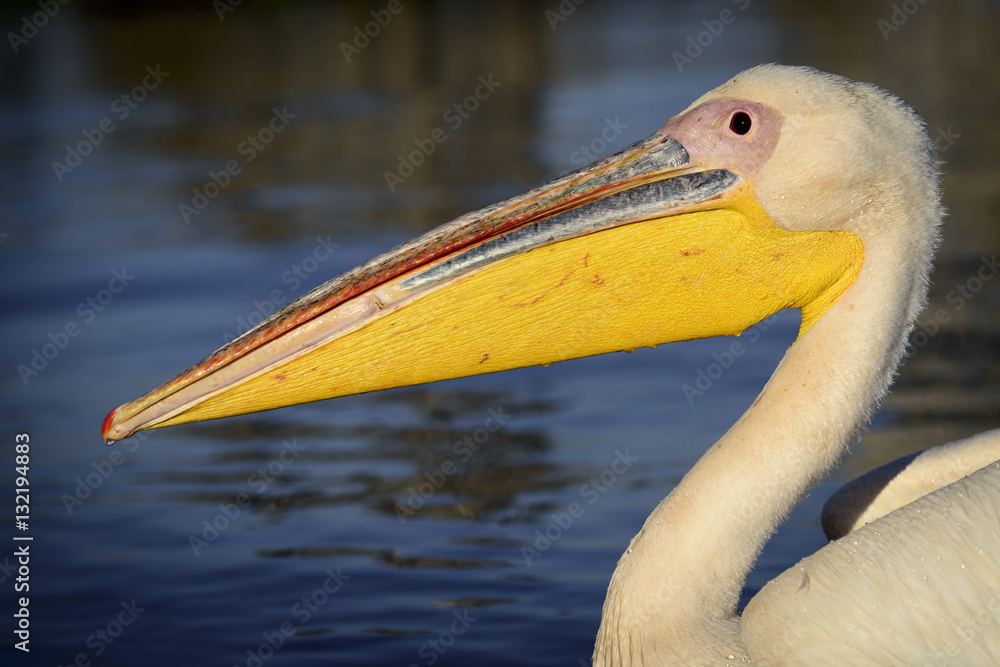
[(740, 123)]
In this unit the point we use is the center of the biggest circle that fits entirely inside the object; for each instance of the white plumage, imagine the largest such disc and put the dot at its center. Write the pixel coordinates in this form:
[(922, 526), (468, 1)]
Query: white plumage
[(920, 586)]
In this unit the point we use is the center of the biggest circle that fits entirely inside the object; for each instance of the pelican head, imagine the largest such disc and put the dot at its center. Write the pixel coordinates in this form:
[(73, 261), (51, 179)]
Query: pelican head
[(783, 188), (756, 198)]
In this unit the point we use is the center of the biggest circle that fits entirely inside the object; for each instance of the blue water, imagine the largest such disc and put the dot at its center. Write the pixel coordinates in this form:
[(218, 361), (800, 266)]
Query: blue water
[(405, 527)]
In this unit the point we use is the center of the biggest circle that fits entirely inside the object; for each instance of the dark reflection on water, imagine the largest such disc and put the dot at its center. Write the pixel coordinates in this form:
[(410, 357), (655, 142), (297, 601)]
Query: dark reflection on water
[(386, 558), (362, 526), (451, 471)]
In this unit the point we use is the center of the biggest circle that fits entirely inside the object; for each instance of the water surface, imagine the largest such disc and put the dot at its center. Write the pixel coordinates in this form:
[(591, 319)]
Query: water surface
[(329, 533)]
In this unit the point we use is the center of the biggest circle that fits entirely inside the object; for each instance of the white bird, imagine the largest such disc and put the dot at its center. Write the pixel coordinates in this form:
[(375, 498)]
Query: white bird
[(785, 187)]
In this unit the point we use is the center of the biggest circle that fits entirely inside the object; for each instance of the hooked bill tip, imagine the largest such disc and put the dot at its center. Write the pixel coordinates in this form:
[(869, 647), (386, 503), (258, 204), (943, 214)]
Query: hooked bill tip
[(106, 426)]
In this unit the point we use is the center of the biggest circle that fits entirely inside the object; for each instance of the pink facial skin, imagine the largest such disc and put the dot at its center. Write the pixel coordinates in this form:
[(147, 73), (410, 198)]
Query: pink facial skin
[(711, 134)]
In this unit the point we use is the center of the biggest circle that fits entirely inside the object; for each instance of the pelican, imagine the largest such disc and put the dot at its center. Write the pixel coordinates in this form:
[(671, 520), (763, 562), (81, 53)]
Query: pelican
[(785, 187)]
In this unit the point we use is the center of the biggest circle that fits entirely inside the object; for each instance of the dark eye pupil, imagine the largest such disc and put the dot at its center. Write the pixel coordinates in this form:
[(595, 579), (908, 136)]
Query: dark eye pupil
[(740, 123)]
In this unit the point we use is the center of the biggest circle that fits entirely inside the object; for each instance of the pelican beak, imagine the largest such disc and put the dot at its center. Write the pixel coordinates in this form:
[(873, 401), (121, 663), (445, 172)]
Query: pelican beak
[(641, 248)]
